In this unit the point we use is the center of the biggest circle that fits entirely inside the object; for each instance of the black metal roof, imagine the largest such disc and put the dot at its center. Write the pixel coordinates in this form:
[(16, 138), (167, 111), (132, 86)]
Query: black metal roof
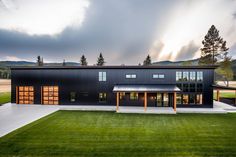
[(115, 67), (146, 88)]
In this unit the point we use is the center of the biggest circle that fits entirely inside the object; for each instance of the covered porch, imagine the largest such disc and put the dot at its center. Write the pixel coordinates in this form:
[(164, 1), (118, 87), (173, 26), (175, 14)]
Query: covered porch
[(151, 97)]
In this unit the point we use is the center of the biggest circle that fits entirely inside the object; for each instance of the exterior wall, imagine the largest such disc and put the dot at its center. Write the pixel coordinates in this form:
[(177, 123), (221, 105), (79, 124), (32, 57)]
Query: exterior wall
[(85, 82)]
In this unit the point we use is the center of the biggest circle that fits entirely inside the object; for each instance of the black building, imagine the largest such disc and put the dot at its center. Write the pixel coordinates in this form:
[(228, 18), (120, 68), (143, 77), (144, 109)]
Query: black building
[(160, 86)]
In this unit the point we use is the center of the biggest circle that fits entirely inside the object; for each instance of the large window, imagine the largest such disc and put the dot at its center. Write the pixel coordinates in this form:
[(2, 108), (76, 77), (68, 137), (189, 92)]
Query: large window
[(178, 76), (191, 98), (185, 99), (192, 76), (199, 99), (102, 76), (199, 76), (102, 97), (185, 88), (178, 98), (185, 76), (192, 87), (50, 95), (133, 96), (130, 76), (26, 95), (122, 95), (199, 87)]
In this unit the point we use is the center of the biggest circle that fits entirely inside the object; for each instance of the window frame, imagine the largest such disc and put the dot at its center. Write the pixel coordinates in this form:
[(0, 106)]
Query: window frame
[(102, 76)]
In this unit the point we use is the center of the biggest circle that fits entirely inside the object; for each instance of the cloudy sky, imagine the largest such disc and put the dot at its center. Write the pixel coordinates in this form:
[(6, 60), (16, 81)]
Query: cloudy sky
[(125, 31)]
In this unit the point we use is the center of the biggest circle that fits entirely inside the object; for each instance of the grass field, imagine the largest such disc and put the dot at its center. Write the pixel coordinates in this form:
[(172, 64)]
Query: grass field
[(226, 94), (107, 134), (5, 97)]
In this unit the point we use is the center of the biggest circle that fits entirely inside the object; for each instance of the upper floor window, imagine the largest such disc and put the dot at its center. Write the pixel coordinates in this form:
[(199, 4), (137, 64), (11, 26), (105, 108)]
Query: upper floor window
[(185, 76), (192, 76), (158, 76), (102, 76), (199, 76), (130, 76), (178, 76)]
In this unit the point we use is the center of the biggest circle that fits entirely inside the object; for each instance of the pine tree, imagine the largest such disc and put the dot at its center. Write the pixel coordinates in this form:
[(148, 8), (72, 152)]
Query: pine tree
[(64, 62), (100, 61), (225, 70), (147, 61), (214, 47), (39, 61), (83, 61)]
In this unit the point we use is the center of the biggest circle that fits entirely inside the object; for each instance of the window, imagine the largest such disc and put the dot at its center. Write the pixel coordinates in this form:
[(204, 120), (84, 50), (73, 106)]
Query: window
[(130, 76), (50, 95), (102, 97), (26, 95), (133, 96), (122, 95), (178, 98), (199, 99), (192, 75), (178, 76), (161, 76), (191, 98), (185, 98), (185, 88), (192, 87), (179, 85), (72, 96), (185, 76), (199, 87), (199, 76), (102, 76)]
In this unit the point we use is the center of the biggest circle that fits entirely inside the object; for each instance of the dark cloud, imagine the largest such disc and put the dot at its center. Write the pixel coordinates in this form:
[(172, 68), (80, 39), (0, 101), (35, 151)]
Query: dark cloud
[(123, 30)]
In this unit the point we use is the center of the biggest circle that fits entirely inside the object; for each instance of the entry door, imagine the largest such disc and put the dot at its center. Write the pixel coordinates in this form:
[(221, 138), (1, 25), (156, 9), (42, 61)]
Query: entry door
[(162, 100)]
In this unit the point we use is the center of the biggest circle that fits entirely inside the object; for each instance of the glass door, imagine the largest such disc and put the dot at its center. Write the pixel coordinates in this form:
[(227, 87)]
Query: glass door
[(165, 99), (159, 100)]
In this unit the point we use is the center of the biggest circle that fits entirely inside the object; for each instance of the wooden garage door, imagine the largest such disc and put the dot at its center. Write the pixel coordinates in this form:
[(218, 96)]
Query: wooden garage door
[(25, 95), (50, 95)]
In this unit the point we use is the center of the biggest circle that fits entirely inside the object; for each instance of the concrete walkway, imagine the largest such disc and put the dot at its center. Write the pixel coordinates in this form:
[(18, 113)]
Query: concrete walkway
[(14, 116), (150, 110)]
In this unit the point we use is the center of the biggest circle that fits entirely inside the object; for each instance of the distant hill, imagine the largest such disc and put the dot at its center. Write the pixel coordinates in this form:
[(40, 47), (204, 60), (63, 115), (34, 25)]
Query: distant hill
[(187, 62), (4, 64)]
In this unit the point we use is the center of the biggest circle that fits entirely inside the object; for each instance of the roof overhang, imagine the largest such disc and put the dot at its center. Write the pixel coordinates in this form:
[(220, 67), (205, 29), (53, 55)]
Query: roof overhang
[(146, 88)]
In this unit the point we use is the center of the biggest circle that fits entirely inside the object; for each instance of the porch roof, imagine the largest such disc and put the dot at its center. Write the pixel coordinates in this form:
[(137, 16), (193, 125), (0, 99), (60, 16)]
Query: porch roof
[(146, 88)]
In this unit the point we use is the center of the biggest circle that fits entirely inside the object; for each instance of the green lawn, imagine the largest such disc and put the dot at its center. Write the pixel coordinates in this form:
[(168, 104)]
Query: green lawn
[(107, 134), (224, 94), (5, 97)]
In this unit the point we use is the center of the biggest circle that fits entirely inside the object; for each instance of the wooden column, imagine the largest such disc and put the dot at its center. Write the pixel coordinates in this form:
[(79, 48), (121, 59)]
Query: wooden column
[(218, 95), (117, 101), (17, 95), (174, 101), (235, 98), (145, 101)]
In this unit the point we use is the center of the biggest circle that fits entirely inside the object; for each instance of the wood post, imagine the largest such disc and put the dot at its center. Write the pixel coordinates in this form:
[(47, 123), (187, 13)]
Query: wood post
[(145, 101), (174, 102), (17, 95), (218, 95), (117, 101)]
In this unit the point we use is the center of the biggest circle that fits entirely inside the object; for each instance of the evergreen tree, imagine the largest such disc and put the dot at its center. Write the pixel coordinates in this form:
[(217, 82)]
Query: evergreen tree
[(100, 61), (147, 61), (225, 69), (214, 47), (39, 61), (83, 61), (64, 62)]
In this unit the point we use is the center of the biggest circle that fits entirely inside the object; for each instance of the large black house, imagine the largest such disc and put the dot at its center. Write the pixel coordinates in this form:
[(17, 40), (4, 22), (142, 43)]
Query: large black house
[(155, 86)]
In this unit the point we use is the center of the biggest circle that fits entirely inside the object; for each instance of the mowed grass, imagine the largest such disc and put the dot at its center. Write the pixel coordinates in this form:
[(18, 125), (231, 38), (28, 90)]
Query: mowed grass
[(5, 97), (108, 134), (224, 94)]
